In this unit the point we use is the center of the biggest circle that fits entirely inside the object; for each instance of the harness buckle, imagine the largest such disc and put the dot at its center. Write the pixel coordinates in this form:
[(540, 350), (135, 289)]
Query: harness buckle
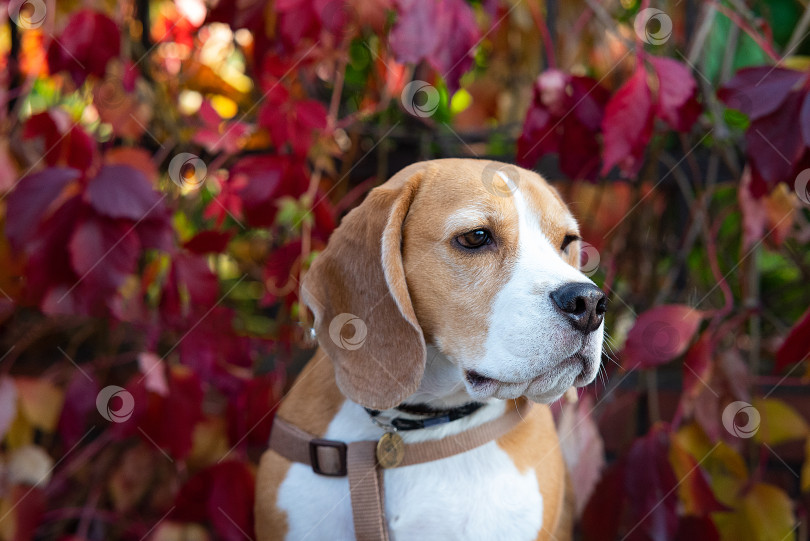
[(314, 460)]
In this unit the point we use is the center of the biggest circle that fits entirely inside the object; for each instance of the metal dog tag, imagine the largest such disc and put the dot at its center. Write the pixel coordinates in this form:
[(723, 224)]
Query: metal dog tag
[(390, 450)]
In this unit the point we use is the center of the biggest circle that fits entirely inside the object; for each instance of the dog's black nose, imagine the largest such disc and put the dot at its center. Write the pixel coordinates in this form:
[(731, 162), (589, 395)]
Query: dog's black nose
[(584, 304)]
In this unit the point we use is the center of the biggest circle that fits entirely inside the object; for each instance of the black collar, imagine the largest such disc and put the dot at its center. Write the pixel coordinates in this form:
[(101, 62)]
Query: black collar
[(434, 416)]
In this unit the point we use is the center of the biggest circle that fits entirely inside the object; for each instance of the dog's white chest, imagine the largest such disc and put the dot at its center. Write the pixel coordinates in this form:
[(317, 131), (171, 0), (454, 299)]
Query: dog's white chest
[(477, 495)]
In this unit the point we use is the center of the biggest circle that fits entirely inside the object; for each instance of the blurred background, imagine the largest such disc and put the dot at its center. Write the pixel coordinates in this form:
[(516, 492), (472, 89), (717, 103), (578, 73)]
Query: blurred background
[(169, 170)]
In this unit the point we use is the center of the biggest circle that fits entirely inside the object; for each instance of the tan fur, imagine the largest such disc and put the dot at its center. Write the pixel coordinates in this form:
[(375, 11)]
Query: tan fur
[(455, 317), (390, 264), (311, 404), (361, 273)]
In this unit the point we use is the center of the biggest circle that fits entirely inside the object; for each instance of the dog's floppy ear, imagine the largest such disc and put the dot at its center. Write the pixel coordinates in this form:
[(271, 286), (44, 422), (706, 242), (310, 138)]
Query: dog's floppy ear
[(356, 288)]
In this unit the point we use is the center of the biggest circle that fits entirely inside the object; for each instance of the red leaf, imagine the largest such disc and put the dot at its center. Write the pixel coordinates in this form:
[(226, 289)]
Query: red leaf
[(223, 495), (30, 200), (565, 117), (212, 347), (266, 178), (696, 529), (191, 288), (774, 141), (281, 265), (29, 504), (582, 448), (84, 47), (660, 335), (291, 122), (796, 346), (414, 35), (579, 150), (209, 241), (537, 138), (104, 252), (298, 20), (80, 400), (627, 124), (63, 140), (156, 232), (603, 513), (454, 55), (216, 135), (443, 32), (121, 191), (251, 410), (650, 485), (166, 422), (804, 120), (697, 366), (193, 274), (227, 202), (587, 101), (49, 264), (760, 90), (677, 91)]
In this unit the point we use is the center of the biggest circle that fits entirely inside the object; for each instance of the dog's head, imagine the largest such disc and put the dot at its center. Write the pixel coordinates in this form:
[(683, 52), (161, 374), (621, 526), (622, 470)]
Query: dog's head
[(479, 259)]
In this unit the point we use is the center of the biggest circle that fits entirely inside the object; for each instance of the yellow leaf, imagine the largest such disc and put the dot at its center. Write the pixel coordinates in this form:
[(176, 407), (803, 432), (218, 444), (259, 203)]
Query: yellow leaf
[(224, 106), (8, 526), (764, 513), (685, 468), (40, 402), (175, 531), (726, 470), (780, 208), (779, 423), (210, 442), (797, 62), (20, 433)]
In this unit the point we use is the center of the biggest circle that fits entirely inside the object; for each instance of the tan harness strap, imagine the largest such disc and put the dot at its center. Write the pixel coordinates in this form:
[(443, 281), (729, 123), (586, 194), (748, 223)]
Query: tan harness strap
[(360, 462), (366, 489)]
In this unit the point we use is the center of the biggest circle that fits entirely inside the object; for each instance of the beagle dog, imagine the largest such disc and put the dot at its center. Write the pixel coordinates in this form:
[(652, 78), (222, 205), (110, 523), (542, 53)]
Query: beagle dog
[(452, 293)]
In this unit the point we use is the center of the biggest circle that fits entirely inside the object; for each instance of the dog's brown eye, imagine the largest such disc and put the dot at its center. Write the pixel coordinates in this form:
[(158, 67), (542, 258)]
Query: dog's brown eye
[(475, 239), (568, 239)]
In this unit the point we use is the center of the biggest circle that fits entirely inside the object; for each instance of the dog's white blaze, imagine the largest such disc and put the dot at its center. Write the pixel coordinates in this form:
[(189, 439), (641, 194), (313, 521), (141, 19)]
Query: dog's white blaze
[(527, 335), (464, 497)]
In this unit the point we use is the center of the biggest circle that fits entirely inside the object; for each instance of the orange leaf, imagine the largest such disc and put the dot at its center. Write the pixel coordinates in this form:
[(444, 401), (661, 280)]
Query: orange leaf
[(40, 402)]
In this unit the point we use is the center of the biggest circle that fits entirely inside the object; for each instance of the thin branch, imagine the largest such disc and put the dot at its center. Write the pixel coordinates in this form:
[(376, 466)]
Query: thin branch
[(799, 32), (753, 34)]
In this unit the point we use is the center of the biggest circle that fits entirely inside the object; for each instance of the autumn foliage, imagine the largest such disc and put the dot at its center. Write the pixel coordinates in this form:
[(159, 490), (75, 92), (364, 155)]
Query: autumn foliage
[(168, 171)]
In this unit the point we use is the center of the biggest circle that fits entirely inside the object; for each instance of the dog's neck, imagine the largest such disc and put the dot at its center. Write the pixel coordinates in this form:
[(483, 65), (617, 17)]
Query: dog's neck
[(442, 384)]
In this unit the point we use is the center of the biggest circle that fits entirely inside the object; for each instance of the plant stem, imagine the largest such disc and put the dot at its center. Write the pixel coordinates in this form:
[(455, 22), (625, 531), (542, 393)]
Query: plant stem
[(752, 302), (540, 22)]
